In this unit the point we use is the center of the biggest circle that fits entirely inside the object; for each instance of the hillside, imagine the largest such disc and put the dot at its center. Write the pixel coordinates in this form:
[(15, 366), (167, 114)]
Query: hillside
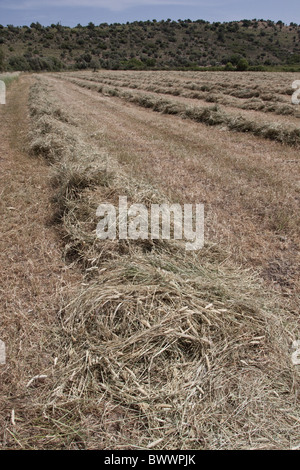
[(150, 44)]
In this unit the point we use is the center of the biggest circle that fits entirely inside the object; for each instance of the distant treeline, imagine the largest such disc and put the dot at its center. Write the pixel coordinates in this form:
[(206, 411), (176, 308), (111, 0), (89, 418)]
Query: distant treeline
[(183, 44)]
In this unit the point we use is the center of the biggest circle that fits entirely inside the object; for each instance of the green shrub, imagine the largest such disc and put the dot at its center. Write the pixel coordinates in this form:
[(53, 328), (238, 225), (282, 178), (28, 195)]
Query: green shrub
[(242, 65), (229, 67)]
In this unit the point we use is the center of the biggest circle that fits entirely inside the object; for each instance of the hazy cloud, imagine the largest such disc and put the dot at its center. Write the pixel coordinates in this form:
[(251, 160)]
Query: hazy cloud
[(115, 5)]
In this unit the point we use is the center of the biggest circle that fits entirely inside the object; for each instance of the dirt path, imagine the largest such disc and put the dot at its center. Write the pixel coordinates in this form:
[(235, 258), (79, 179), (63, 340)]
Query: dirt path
[(250, 186), (32, 271)]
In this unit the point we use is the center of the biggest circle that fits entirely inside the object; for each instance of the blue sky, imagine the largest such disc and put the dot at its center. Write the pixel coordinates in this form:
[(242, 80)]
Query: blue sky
[(72, 12)]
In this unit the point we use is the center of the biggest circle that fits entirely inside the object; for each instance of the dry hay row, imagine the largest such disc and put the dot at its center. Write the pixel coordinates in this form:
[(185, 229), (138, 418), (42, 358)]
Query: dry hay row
[(242, 89), (158, 348), (211, 116), (267, 86), (200, 90), (253, 99), (77, 167)]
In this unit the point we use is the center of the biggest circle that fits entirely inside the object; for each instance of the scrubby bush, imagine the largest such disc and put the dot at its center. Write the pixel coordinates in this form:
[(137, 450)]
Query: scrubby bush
[(229, 67), (1, 60), (242, 65)]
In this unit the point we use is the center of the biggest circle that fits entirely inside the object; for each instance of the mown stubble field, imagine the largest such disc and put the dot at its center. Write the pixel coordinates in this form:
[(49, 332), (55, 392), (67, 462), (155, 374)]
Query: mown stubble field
[(151, 346)]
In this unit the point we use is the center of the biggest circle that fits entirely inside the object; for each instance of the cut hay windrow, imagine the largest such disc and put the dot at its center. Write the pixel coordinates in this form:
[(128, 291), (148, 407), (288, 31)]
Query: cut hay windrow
[(211, 116), (255, 98), (158, 347)]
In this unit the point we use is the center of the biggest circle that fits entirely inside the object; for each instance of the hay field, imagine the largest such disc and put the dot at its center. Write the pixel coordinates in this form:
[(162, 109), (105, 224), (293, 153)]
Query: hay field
[(156, 347), (8, 77)]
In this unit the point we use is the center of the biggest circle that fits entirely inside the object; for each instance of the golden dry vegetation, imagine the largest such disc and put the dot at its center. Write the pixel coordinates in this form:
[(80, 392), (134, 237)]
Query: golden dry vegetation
[(141, 344)]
